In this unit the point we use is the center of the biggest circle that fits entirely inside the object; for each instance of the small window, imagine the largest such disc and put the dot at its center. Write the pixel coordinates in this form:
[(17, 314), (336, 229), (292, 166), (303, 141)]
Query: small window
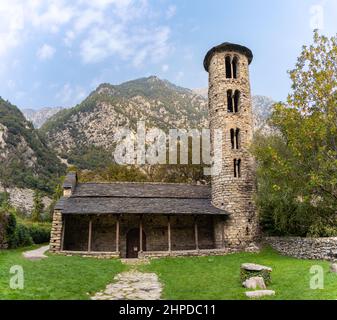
[(228, 67), (235, 67), (230, 106), (233, 138), (237, 139), (236, 101), (237, 168)]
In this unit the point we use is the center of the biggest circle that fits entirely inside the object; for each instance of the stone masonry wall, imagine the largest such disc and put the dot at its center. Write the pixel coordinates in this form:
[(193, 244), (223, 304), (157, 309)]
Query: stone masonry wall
[(56, 232), (305, 248), (235, 195)]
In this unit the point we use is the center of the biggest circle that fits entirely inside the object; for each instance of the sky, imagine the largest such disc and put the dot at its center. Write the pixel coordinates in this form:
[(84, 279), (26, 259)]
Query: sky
[(55, 52)]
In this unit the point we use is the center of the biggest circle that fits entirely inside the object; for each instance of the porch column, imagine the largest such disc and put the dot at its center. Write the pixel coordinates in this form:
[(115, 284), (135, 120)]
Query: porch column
[(90, 235), (117, 233), (63, 232), (169, 233), (196, 233), (141, 234)]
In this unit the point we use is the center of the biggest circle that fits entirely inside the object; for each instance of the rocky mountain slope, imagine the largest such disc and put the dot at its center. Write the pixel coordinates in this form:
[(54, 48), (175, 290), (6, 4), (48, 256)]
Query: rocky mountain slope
[(40, 116), (262, 109), (84, 134), (94, 122), (26, 160)]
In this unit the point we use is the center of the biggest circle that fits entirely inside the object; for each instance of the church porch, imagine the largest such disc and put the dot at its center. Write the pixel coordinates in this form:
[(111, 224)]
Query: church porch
[(137, 236)]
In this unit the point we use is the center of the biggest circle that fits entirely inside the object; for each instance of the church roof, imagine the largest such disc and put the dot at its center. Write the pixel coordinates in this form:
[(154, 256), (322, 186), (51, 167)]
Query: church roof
[(139, 198), (227, 46)]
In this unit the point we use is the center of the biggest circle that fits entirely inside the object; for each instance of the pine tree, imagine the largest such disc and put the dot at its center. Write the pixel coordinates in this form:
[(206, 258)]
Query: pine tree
[(38, 207)]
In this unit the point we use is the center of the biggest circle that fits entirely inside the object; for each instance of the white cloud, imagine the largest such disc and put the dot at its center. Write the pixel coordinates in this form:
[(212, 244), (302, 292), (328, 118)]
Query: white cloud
[(46, 52), (11, 84), (70, 95), (130, 29), (171, 12)]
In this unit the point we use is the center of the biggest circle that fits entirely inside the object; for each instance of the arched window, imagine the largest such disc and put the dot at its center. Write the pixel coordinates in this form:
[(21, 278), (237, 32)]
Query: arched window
[(237, 168), (230, 106), (236, 101), (228, 61), (235, 138), (235, 67)]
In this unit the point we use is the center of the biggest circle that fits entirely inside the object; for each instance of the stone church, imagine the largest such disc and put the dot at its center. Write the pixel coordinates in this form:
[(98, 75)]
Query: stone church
[(131, 220)]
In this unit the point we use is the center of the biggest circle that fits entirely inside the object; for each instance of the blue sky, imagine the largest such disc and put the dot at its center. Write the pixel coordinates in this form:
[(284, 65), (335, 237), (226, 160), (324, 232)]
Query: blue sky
[(55, 52)]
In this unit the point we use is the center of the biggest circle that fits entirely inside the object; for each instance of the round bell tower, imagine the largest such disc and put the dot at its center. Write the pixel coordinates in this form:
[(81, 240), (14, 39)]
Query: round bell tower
[(230, 111)]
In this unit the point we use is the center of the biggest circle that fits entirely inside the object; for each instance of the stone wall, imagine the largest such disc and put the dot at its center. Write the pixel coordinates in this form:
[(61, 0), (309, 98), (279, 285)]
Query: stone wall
[(56, 232), (305, 248), (233, 194)]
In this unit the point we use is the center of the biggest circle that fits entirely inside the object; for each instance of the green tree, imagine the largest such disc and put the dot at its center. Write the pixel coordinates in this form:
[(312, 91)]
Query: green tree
[(297, 171), (38, 207)]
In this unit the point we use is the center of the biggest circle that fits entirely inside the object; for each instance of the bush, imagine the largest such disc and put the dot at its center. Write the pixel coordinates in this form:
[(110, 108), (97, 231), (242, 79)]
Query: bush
[(3, 224), (22, 236), (40, 233), (11, 235)]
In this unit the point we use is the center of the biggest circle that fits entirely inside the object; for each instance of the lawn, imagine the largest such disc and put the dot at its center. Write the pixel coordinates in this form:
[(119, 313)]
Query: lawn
[(57, 277), (218, 278), (209, 278)]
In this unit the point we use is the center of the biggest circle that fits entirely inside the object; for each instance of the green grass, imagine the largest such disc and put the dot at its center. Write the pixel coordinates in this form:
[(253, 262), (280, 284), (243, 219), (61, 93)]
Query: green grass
[(218, 278), (209, 278), (57, 277)]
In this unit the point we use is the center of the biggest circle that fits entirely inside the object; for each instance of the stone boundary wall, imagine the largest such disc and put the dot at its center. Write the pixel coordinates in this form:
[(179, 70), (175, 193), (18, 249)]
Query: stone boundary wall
[(305, 248)]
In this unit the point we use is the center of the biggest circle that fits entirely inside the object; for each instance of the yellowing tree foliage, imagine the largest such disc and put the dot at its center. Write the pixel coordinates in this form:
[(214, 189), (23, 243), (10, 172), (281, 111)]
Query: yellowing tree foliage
[(297, 171)]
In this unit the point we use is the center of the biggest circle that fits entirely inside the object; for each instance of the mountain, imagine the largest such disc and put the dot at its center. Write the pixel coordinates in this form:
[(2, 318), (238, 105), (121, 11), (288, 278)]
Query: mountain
[(262, 109), (26, 160), (39, 117), (84, 135), (202, 92), (94, 122)]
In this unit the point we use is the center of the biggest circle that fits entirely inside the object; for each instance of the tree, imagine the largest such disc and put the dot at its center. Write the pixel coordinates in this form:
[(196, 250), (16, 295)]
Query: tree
[(38, 207), (297, 170)]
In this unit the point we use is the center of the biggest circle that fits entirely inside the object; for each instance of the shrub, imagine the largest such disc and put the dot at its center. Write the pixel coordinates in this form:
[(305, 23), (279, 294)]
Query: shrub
[(40, 233), (22, 236), (3, 224), (11, 235)]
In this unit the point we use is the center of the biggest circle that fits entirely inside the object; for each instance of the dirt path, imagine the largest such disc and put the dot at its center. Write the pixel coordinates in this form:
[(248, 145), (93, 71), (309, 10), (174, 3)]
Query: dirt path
[(36, 254)]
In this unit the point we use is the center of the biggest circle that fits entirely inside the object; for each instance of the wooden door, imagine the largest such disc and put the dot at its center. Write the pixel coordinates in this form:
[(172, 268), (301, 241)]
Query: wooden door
[(132, 243)]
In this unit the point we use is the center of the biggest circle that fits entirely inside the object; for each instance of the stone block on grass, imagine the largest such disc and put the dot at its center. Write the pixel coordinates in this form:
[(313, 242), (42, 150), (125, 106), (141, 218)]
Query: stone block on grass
[(251, 270)]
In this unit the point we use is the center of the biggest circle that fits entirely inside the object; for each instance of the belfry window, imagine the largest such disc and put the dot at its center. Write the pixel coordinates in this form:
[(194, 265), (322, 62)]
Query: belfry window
[(237, 168), (228, 61), (231, 67), (235, 138), (233, 101), (230, 106), (235, 67), (236, 101)]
